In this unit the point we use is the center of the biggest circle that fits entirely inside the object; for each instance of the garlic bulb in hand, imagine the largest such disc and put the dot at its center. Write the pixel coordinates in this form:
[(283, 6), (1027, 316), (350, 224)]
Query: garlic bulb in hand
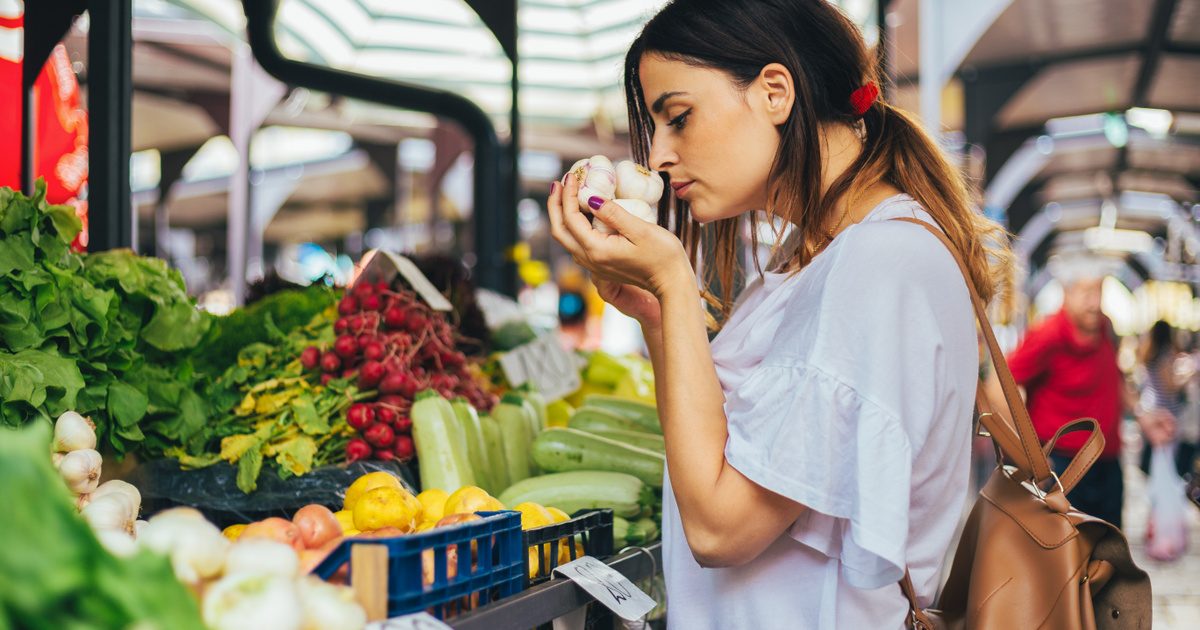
[(635, 181), (81, 470), (73, 432), (596, 176), (636, 207)]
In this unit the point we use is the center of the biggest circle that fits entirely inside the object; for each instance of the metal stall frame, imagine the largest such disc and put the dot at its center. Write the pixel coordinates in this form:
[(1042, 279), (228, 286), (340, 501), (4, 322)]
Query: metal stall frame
[(494, 222)]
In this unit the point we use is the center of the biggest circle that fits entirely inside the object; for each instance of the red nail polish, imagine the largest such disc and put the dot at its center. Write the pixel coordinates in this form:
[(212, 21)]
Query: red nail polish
[(595, 202)]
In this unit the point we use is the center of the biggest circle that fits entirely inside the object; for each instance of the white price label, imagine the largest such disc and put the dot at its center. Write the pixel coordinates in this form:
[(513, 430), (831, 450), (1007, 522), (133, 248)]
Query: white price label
[(609, 587), (415, 621), (544, 361), (381, 264)]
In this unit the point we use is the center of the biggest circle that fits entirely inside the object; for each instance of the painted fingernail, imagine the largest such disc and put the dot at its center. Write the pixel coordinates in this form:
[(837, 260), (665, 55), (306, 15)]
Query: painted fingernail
[(595, 202), (553, 188)]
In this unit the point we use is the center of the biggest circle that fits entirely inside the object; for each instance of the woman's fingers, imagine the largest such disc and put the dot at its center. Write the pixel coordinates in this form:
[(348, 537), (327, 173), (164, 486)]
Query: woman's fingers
[(554, 206)]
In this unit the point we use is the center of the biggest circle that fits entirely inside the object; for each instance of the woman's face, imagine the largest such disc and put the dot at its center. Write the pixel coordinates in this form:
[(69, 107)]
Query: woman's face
[(716, 142)]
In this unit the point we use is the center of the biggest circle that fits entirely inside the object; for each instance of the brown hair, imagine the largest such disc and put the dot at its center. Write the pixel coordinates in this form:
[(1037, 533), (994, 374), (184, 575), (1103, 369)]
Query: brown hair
[(825, 53)]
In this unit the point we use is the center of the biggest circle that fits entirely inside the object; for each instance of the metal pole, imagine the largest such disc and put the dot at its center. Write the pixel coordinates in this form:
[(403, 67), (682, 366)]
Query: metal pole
[(28, 138), (110, 92), (931, 66)]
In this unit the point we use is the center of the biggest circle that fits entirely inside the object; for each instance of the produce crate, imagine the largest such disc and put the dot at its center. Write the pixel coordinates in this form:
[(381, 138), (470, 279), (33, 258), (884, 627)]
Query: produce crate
[(595, 531), (497, 571)]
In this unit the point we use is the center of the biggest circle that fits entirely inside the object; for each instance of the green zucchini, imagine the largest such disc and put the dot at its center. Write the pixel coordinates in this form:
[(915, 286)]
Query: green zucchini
[(642, 415), (516, 436), (562, 450), (648, 441), (537, 402), (441, 448), (582, 490), (495, 450), (477, 452), (593, 420), (620, 533)]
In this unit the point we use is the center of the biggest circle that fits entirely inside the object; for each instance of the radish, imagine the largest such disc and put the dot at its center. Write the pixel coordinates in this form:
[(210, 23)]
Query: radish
[(370, 374), (325, 378), (357, 449), (379, 435), (360, 416), (392, 383), (348, 305), (346, 347), (370, 303), (385, 414), (385, 454), (394, 317), (403, 447), (330, 363), (403, 425), (373, 350), (364, 339), (341, 325), (310, 358)]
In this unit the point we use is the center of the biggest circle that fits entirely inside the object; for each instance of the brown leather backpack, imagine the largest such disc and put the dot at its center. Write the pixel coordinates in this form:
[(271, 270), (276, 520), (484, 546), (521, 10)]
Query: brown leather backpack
[(1026, 558)]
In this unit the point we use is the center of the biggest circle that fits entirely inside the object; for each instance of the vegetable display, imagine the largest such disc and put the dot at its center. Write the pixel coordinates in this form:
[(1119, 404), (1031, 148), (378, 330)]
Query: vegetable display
[(108, 335)]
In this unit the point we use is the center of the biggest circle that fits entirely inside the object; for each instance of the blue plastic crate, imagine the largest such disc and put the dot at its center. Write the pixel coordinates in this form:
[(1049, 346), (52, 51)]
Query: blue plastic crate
[(499, 569)]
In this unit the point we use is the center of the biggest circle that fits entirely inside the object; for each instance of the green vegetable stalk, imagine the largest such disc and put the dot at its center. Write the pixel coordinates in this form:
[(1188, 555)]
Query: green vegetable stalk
[(53, 571)]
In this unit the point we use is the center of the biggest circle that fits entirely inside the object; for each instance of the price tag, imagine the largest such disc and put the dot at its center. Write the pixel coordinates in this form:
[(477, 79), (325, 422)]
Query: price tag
[(385, 265), (415, 621), (609, 587), (544, 361)]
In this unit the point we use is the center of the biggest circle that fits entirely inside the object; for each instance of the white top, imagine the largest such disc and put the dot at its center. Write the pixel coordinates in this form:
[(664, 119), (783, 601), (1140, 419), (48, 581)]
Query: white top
[(835, 379)]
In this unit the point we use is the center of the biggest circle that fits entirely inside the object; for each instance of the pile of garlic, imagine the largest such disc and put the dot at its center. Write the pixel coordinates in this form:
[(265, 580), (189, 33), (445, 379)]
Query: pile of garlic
[(629, 184), (111, 508), (251, 583)]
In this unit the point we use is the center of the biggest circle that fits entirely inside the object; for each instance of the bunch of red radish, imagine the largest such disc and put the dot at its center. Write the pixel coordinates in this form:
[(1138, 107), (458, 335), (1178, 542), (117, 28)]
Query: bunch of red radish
[(393, 344)]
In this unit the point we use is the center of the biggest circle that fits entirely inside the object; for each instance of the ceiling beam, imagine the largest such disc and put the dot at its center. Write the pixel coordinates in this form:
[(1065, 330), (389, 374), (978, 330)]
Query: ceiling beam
[(1160, 26)]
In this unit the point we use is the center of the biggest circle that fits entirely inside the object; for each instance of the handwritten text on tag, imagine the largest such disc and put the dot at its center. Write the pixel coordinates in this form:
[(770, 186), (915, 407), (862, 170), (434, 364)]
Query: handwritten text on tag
[(608, 586)]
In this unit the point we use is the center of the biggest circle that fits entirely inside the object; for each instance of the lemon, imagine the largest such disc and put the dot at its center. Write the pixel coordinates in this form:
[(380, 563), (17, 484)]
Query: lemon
[(233, 531), (433, 504), (345, 518), (470, 499), (425, 526), (533, 515), (368, 482), (558, 413), (558, 515), (385, 507)]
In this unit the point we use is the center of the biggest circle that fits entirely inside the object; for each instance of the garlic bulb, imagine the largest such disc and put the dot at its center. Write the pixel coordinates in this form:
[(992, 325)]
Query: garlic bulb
[(138, 527), (597, 178), (635, 181), (636, 207), (82, 501), (328, 606), (127, 490), (248, 601), (111, 511), (81, 470), (118, 543), (73, 432)]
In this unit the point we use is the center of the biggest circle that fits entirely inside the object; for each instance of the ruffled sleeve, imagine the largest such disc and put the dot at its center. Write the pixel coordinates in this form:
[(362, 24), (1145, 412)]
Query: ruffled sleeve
[(808, 436)]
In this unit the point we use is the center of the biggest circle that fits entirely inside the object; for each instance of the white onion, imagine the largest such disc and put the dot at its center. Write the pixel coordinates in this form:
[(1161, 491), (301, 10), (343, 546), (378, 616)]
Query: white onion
[(329, 607), (109, 512), (73, 432), (81, 470), (247, 601), (196, 547), (262, 555)]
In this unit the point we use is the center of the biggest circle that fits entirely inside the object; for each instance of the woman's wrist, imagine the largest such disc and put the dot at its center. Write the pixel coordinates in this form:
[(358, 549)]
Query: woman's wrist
[(674, 281)]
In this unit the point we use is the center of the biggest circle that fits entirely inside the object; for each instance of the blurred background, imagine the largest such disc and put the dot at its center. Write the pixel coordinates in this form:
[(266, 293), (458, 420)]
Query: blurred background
[(277, 141)]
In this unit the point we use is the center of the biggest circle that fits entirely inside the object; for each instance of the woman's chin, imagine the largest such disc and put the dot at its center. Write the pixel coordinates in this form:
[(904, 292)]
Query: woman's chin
[(704, 213)]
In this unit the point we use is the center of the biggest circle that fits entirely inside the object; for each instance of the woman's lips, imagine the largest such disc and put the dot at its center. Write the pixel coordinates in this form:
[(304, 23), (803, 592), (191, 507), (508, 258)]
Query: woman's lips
[(681, 188)]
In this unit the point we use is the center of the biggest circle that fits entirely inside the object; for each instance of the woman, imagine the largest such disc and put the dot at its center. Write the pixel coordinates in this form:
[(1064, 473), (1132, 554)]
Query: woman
[(1165, 389), (820, 446)]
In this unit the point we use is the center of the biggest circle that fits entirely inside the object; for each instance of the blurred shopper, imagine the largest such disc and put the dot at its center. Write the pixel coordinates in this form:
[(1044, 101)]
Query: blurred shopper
[(1068, 367), (820, 444), (1165, 389)]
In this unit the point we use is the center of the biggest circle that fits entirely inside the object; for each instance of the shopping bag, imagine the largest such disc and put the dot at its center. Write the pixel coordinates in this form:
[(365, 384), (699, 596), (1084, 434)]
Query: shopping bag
[(1167, 531)]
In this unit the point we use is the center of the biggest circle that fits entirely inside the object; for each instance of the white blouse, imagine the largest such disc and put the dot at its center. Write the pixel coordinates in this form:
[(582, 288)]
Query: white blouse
[(848, 388)]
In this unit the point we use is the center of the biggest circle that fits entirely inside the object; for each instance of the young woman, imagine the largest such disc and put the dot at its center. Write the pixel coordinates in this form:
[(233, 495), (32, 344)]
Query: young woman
[(820, 445)]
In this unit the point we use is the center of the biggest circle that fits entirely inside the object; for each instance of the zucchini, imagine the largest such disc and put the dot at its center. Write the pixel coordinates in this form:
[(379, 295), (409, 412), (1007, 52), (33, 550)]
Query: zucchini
[(495, 450), (477, 452), (620, 533), (515, 434), (562, 450), (441, 448), (593, 420), (649, 529), (642, 415), (648, 441), (582, 490), (537, 402)]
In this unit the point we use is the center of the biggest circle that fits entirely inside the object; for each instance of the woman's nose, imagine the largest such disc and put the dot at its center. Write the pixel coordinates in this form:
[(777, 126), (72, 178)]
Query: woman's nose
[(662, 157)]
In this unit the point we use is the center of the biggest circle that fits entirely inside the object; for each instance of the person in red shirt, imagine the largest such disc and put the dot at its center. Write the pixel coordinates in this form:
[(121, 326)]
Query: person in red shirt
[(1068, 367)]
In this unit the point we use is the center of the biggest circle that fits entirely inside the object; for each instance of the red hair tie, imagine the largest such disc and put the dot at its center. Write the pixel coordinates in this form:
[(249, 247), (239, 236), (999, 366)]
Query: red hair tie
[(862, 98)]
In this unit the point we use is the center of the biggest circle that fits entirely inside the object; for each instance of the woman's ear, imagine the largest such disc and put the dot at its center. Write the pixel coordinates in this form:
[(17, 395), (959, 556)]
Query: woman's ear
[(779, 91)]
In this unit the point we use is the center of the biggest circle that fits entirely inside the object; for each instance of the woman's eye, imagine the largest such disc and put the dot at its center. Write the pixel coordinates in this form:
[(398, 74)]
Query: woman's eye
[(679, 121)]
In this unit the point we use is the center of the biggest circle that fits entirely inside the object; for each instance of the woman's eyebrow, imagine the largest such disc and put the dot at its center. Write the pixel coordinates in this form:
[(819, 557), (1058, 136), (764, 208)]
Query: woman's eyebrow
[(657, 107)]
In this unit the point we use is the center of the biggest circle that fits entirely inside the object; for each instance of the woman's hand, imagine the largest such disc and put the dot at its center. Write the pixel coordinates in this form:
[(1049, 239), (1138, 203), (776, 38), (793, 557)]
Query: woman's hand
[(641, 254), (633, 301)]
